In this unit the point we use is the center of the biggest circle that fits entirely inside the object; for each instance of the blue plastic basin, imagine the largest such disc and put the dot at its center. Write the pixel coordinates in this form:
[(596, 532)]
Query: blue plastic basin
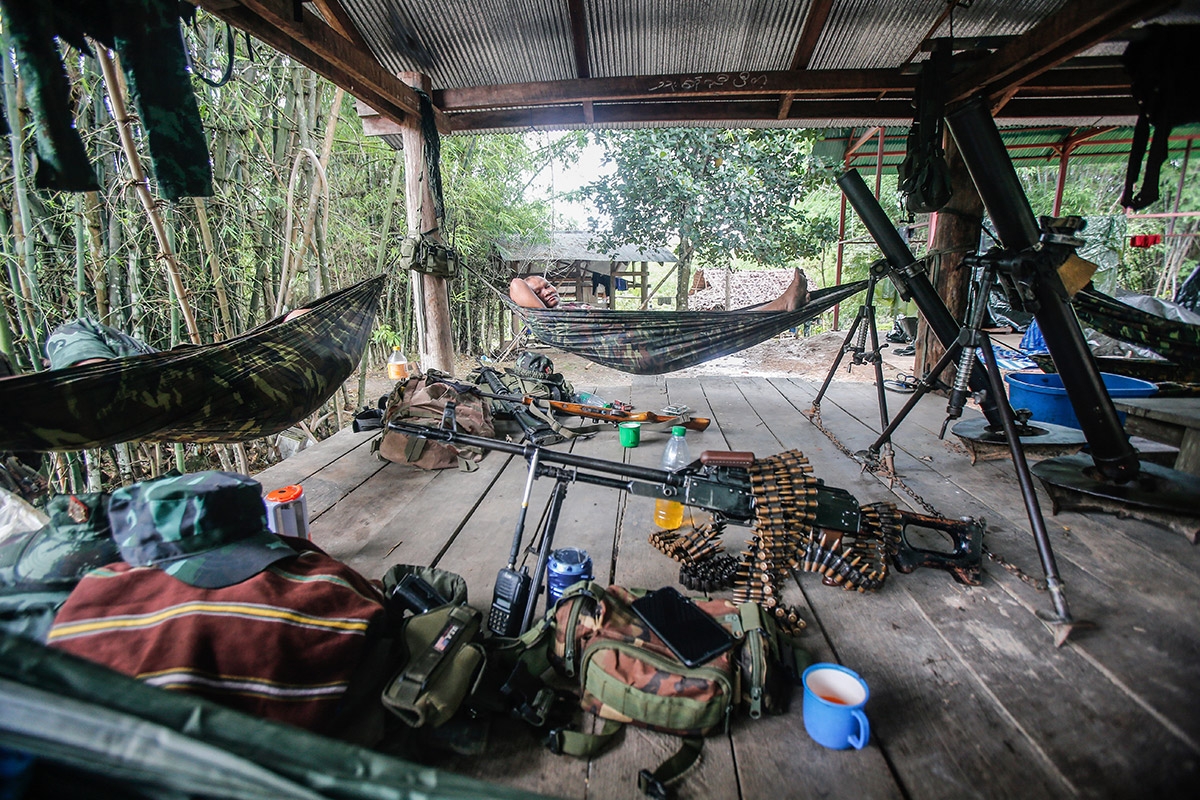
[(1043, 394)]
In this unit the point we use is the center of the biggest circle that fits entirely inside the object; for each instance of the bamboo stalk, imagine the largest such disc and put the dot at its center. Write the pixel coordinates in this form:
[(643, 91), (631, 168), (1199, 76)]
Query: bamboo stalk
[(287, 271), (142, 186), (218, 277), (81, 276), (23, 221)]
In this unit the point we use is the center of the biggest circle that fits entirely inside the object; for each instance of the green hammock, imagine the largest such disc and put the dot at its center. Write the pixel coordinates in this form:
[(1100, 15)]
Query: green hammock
[(654, 342), (253, 385), (1174, 340)]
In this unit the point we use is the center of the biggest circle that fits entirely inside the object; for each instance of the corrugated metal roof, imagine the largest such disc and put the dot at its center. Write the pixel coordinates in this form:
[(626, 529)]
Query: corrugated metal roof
[(571, 246), (512, 65), (461, 43), (469, 42)]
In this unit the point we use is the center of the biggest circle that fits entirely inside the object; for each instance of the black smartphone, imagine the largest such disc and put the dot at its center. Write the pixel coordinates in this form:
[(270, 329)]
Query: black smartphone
[(692, 635), (509, 599)]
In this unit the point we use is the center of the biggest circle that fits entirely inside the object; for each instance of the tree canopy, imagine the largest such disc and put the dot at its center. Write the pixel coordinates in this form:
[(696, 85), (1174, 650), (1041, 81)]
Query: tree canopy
[(718, 193)]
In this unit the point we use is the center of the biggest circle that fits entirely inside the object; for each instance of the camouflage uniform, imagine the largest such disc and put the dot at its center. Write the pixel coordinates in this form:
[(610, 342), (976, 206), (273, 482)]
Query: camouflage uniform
[(85, 338)]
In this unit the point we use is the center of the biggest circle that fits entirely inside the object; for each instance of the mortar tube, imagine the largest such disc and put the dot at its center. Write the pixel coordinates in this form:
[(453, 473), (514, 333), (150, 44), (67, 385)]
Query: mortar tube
[(922, 290), (992, 170)]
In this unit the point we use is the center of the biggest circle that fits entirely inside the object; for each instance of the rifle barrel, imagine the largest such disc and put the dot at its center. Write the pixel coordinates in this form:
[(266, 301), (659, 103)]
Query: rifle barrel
[(527, 450)]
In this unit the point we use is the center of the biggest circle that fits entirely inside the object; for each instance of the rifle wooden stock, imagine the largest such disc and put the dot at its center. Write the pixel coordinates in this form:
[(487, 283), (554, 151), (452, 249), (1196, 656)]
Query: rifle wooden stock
[(616, 417)]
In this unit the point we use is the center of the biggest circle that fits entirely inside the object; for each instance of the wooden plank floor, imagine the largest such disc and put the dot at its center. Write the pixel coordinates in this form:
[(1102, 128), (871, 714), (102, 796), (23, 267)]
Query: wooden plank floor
[(969, 696)]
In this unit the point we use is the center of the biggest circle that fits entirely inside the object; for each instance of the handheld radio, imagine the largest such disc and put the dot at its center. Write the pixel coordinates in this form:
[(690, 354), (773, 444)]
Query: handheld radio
[(511, 593)]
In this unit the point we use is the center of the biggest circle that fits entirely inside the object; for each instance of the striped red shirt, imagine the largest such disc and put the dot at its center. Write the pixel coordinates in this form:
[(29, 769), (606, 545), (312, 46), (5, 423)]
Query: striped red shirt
[(281, 645)]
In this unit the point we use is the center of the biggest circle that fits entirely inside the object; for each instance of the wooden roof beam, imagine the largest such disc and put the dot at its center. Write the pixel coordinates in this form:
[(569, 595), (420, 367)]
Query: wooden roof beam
[(814, 24), (672, 87), (579, 38), (889, 111), (1078, 25), (317, 45), (334, 14)]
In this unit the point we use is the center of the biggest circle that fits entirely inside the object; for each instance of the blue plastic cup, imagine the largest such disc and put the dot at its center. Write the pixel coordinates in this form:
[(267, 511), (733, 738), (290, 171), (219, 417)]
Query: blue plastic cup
[(833, 701)]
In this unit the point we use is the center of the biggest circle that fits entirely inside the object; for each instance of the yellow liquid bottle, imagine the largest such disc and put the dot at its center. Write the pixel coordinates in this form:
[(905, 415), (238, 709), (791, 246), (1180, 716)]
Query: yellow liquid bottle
[(397, 365), (668, 514)]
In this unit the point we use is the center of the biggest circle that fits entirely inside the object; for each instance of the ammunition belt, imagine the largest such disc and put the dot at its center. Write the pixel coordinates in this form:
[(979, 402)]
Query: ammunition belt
[(785, 496), (785, 541)]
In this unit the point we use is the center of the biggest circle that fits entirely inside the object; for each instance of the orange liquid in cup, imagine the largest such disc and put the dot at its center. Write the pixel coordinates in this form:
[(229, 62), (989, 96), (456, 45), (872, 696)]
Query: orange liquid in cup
[(837, 701)]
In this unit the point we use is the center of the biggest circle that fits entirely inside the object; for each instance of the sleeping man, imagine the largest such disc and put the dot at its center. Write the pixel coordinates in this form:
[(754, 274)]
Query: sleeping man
[(535, 291)]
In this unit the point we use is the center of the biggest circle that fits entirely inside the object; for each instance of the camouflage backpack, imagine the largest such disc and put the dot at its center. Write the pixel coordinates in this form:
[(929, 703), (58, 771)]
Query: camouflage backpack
[(626, 675), (424, 400)]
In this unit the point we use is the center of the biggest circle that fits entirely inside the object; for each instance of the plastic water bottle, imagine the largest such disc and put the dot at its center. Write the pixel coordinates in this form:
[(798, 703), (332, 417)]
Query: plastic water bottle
[(397, 365), (668, 514), (589, 399)]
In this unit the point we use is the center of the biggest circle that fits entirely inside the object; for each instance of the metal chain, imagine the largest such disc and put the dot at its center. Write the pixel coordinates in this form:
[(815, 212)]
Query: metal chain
[(874, 466), (1039, 585), (877, 467)]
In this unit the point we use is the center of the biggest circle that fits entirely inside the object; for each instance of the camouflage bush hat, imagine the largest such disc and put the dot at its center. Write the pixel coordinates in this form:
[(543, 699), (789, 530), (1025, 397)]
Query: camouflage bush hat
[(208, 529)]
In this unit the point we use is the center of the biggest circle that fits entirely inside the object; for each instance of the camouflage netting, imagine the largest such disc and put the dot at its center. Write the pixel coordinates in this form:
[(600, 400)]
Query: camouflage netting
[(253, 385), (654, 342)]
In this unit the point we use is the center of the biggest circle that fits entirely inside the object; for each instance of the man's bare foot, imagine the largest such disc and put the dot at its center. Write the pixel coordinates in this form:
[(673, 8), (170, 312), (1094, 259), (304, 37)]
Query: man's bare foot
[(794, 296)]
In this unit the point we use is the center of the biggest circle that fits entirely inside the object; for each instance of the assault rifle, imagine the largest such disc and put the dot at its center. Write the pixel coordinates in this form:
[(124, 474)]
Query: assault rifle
[(537, 421), (717, 482), (604, 413)]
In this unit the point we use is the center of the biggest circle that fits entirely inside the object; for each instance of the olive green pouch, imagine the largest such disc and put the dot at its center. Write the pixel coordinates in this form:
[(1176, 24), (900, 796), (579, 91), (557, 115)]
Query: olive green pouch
[(443, 663)]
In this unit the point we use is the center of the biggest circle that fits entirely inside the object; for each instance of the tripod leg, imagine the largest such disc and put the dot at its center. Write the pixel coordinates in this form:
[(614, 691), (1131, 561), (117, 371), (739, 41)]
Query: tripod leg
[(816, 404), (557, 496), (923, 387), (1061, 623)]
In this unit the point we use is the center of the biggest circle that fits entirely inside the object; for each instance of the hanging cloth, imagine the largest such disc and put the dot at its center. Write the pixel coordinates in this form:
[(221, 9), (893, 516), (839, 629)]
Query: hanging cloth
[(654, 342), (145, 33), (253, 385)]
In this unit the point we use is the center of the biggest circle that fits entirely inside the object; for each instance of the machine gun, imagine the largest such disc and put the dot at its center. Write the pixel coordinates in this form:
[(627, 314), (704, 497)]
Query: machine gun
[(718, 482)]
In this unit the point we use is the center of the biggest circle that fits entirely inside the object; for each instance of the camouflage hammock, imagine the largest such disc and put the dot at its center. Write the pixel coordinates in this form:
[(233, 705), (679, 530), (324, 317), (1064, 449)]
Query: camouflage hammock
[(1173, 340), (654, 342), (253, 385)]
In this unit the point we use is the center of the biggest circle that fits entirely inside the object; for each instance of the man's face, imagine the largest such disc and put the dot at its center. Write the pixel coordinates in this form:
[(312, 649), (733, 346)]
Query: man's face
[(544, 290)]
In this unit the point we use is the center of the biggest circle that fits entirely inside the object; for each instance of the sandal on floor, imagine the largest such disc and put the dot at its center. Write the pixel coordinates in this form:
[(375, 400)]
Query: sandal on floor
[(903, 384)]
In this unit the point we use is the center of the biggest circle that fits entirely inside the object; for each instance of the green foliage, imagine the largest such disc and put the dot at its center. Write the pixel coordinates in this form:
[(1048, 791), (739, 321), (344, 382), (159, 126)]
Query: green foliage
[(259, 126), (725, 192)]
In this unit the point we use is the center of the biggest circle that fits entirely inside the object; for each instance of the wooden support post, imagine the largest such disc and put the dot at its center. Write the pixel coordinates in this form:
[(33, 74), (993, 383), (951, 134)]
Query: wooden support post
[(955, 233), (434, 340)]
